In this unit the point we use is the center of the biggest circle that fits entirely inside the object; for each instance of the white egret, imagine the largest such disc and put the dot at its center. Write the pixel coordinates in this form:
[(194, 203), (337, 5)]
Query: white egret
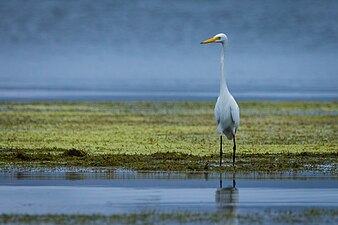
[(226, 108)]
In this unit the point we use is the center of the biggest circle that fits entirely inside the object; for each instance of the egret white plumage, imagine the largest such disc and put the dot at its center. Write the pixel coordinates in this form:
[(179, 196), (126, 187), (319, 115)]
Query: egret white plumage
[(226, 108)]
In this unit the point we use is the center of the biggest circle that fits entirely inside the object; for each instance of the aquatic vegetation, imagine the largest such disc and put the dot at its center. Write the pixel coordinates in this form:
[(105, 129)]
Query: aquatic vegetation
[(275, 217), (74, 153), (167, 135)]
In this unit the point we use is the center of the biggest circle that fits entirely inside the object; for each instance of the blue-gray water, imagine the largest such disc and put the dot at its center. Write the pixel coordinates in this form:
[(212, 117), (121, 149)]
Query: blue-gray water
[(128, 192), (146, 50)]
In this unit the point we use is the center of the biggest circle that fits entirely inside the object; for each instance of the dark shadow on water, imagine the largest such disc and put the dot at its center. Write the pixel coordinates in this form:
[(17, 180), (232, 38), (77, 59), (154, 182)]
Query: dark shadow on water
[(74, 176), (226, 200)]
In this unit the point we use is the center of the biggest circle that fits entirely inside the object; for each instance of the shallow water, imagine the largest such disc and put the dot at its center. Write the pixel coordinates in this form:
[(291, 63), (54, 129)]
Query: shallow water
[(129, 192)]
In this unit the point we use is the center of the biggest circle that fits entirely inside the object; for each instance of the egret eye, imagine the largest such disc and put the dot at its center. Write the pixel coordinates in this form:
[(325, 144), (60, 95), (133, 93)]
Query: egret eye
[(218, 38)]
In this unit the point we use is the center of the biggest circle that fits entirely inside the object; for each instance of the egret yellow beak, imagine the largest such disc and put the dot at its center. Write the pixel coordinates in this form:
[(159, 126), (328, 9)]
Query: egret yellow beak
[(211, 40)]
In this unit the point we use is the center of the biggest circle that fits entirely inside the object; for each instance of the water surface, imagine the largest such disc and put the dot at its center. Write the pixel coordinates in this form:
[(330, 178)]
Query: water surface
[(115, 193), (149, 50)]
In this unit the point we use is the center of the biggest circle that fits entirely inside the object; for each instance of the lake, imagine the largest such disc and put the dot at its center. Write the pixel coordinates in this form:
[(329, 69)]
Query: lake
[(149, 50), (126, 192)]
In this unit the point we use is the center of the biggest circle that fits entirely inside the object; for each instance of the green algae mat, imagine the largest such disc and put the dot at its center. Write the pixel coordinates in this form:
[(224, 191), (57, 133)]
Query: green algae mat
[(309, 216), (178, 136)]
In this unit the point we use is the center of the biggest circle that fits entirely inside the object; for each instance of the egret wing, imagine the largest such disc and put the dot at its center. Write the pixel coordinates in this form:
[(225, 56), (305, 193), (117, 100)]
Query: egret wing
[(234, 110), (217, 112)]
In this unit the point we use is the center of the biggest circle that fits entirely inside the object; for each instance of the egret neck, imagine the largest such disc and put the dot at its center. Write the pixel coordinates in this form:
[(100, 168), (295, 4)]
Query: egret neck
[(223, 88)]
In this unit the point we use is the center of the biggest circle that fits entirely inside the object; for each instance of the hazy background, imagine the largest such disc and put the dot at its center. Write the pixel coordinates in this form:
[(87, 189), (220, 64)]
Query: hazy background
[(149, 50)]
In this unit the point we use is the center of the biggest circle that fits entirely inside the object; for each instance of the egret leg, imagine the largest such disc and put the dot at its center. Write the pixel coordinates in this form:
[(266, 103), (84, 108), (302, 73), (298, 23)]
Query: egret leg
[(220, 150), (234, 148), (220, 181), (234, 180)]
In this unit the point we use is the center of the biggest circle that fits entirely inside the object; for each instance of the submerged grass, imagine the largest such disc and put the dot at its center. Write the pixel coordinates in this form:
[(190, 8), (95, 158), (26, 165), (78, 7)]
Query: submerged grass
[(167, 135), (276, 217)]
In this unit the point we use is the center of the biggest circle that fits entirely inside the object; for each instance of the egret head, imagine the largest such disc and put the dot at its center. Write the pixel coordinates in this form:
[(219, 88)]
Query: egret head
[(218, 38)]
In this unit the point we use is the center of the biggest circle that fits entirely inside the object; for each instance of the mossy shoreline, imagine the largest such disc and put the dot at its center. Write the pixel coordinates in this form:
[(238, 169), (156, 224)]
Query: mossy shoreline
[(168, 136), (325, 163)]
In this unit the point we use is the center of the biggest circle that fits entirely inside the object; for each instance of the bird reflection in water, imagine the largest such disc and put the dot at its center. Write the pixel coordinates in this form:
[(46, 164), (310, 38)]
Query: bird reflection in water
[(226, 201)]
